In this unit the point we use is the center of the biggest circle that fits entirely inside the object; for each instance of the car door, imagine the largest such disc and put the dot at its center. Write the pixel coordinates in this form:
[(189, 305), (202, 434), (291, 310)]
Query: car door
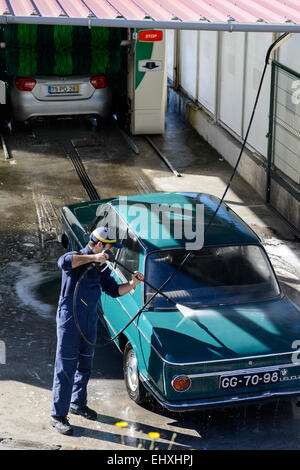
[(118, 312), (109, 218)]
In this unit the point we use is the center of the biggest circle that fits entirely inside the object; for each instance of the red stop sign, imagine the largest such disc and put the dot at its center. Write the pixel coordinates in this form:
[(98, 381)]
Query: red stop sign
[(150, 35)]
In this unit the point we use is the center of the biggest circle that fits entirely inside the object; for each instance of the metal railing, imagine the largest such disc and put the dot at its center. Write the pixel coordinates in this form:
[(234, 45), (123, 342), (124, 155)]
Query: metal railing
[(284, 130)]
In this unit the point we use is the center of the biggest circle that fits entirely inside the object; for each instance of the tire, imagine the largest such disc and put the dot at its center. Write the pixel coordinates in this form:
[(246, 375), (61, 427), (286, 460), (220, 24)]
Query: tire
[(135, 388)]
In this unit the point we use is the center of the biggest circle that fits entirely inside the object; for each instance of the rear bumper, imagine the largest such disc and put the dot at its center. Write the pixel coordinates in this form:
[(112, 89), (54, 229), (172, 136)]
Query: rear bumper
[(25, 106), (190, 405)]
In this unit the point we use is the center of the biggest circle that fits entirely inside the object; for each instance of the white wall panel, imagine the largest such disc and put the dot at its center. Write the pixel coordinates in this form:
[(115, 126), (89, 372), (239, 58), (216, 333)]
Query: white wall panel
[(257, 46), (232, 70), (289, 53), (208, 69), (170, 52), (188, 61)]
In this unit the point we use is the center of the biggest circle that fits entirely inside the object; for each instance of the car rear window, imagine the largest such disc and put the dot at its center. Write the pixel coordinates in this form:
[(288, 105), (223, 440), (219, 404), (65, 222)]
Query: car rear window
[(211, 276)]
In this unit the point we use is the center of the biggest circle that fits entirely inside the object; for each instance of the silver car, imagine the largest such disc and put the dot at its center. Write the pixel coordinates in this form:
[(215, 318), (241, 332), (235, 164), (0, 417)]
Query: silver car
[(60, 96)]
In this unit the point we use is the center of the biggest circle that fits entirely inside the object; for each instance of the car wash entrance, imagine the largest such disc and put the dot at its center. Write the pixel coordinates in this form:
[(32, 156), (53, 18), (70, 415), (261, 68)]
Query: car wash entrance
[(62, 67), (137, 54)]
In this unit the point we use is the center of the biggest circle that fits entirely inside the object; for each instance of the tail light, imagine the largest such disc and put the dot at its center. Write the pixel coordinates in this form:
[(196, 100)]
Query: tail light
[(25, 84), (98, 81), (181, 383)]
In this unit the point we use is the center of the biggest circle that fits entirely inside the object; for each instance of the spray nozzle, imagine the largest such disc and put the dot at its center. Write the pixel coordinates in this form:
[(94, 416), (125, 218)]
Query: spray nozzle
[(110, 255)]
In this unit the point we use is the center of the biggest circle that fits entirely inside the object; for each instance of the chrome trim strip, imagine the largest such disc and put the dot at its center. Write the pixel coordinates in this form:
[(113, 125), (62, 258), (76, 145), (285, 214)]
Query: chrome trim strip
[(243, 371), (201, 362), (113, 332), (134, 322), (109, 325), (164, 377), (232, 359), (198, 404)]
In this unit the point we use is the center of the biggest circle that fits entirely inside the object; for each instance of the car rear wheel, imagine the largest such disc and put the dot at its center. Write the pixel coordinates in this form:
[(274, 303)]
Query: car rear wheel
[(135, 388)]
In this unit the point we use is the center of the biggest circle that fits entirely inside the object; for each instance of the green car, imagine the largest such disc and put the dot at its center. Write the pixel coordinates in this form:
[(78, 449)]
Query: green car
[(237, 344)]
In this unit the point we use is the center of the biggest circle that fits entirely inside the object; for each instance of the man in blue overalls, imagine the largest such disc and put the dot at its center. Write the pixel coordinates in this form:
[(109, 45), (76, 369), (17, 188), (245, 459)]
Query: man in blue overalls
[(74, 355)]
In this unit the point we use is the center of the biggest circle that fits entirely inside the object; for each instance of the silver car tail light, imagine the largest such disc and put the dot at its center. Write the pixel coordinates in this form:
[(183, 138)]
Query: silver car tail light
[(98, 81), (25, 84)]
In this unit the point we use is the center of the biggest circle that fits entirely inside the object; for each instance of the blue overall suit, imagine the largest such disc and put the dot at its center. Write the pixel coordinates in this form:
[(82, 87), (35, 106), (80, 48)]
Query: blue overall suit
[(74, 355)]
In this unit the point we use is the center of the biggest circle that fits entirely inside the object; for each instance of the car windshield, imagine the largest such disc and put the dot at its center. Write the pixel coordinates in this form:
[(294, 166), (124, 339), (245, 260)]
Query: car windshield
[(211, 276)]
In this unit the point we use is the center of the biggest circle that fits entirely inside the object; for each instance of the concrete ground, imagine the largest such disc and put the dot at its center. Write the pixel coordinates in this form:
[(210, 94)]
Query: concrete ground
[(34, 183)]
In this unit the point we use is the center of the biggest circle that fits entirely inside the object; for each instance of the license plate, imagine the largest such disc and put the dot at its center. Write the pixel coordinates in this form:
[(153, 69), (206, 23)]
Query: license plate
[(249, 380), (54, 89)]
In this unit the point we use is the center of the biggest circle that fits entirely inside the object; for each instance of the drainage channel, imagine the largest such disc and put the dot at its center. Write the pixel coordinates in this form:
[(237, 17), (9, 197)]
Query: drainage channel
[(74, 157), (72, 154)]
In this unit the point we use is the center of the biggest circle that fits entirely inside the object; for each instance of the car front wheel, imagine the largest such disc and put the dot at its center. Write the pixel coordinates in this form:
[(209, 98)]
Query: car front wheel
[(135, 388)]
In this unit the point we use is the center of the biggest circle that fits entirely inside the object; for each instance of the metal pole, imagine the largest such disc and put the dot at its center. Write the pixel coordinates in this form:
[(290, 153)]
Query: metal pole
[(270, 134), (5, 149), (229, 26), (162, 156), (218, 77), (245, 82)]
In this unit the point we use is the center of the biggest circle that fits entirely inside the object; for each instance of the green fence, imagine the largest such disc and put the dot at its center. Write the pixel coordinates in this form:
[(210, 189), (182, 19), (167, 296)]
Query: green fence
[(284, 129)]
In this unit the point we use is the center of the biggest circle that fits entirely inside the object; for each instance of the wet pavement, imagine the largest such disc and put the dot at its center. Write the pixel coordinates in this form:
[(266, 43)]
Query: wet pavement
[(34, 183)]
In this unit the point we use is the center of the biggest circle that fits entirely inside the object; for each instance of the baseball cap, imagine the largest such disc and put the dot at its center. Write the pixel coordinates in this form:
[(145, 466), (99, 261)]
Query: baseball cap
[(105, 235)]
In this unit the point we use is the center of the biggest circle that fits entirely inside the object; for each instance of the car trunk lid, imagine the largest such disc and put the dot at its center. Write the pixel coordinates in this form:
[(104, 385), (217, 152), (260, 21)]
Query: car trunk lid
[(225, 332), (58, 88)]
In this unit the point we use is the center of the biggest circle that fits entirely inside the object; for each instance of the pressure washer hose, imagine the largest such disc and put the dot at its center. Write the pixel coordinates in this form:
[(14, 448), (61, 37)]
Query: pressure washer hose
[(95, 345), (185, 258)]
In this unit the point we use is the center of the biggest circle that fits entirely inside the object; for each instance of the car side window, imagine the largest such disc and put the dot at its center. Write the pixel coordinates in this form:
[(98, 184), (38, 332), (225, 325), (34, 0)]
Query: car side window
[(109, 219), (129, 255), (101, 218)]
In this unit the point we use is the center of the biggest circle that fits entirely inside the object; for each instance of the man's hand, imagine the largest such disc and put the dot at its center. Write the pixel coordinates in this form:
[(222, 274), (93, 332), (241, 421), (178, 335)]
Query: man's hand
[(79, 260), (136, 278), (100, 258)]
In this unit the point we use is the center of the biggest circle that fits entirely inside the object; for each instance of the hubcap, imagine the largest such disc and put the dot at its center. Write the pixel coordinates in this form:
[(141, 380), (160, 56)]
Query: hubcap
[(132, 373)]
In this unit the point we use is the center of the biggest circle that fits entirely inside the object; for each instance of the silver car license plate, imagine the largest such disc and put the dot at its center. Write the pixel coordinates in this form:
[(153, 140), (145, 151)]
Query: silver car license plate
[(56, 89)]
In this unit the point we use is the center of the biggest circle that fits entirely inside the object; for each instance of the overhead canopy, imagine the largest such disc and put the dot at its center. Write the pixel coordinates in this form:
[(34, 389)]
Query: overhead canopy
[(223, 15)]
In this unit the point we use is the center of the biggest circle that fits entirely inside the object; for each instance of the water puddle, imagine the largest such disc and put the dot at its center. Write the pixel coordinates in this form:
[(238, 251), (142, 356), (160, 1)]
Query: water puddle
[(38, 289)]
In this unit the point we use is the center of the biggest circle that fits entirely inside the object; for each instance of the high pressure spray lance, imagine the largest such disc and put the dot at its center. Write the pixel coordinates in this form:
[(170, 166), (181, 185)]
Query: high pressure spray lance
[(186, 311), (183, 309), (112, 259)]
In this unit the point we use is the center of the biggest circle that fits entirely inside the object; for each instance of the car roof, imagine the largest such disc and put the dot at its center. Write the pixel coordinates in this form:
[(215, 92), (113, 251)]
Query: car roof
[(139, 211)]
